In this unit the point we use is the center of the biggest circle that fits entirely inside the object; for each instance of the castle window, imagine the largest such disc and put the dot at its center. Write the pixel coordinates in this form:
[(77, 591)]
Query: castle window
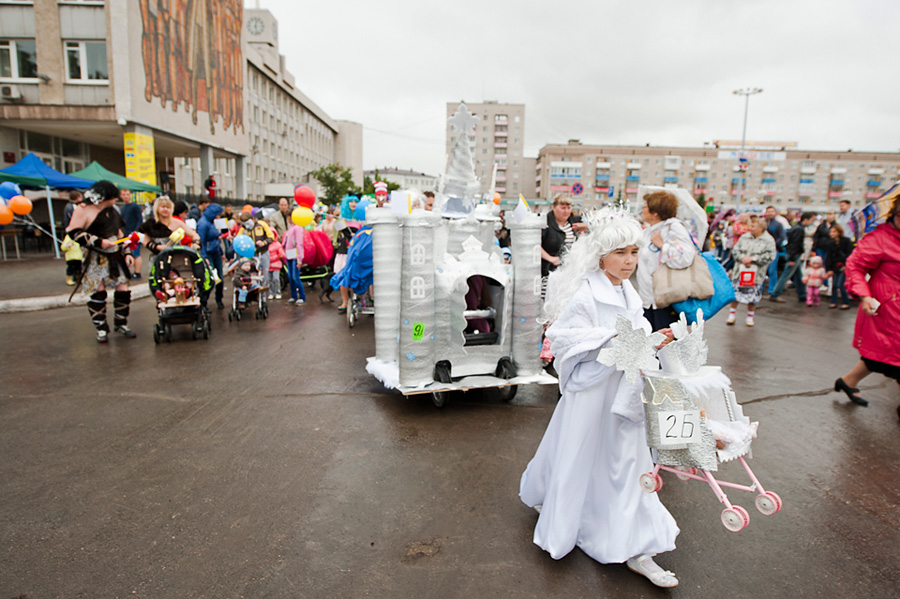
[(417, 288), (418, 254)]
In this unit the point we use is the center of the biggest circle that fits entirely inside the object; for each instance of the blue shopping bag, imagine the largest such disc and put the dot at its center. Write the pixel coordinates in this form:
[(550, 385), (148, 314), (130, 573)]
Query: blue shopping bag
[(723, 295)]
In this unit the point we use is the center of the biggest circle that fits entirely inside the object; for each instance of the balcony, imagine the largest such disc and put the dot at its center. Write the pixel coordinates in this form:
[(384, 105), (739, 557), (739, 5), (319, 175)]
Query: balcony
[(500, 144), (606, 165), (807, 170), (702, 168), (501, 133), (601, 189), (836, 182), (500, 178), (768, 180), (876, 171), (873, 183), (838, 171), (670, 179), (500, 189), (633, 166), (873, 195), (602, 177), (701, 179), (835, 194), (770, 169), (634, 178)]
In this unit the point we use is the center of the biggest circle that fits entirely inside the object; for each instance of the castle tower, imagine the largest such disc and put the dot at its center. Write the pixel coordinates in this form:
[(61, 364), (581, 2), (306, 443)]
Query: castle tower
[(386, 262), (525, 242), (417, 327)]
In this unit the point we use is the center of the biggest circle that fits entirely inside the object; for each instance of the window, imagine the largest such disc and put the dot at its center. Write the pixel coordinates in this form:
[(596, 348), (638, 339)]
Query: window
[(86, 61), (18, 59)]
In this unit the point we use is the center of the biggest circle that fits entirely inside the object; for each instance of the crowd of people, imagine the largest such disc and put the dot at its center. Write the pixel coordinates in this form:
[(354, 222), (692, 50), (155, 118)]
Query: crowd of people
[(595, 270)]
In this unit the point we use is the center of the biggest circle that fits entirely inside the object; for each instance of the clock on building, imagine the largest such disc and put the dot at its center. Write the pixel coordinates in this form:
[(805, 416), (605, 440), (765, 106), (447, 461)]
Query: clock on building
[(255, 25)]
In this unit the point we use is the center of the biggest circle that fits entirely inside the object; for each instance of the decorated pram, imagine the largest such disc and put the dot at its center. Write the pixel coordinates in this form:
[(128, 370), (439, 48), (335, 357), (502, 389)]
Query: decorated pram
[(694, 423), (180, 280)]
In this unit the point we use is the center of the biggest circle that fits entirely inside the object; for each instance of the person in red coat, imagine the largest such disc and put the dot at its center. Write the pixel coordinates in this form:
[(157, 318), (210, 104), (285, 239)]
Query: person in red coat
[(877, 334)]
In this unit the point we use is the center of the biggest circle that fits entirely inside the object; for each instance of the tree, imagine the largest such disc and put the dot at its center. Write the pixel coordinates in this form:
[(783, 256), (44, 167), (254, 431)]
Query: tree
[(336, 182), (369, 184), (701, 199)]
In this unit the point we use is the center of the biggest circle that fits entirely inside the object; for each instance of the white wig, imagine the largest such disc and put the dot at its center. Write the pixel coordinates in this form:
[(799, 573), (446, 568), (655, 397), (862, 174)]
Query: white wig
[(609, 229)]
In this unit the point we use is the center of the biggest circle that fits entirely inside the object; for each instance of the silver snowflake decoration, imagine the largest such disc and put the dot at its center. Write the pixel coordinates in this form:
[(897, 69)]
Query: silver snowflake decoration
[(688, 352), (632, 350)]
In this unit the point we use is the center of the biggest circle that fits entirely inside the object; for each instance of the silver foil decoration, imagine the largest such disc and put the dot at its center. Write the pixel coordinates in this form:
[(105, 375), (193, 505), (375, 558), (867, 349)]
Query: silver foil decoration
[(688, 352), (632, 350)]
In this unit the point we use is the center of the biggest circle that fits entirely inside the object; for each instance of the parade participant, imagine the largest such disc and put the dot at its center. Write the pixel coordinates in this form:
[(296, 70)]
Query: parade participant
[(381, 193), (210, 186), (74, 256), (131, 214), (813, 279), (845, 220), (276, 261), (72, 272), (794, 252), (429, 200), (281, 219), (873, 275), (211, 247), (666, 241), (837, 250), (157, 231), (752, 254), (583, 479), (293, 248), (357, 273), (776, 229), (96, 225), (261, 234), (558, 237)]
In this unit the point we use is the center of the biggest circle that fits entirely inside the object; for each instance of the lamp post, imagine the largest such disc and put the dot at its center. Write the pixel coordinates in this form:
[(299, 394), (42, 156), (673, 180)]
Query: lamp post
[(746, 92)]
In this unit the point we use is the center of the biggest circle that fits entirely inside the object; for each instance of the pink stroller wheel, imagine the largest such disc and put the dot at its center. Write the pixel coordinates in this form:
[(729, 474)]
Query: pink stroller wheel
[(768, 503), (735, 518), (651, 482)]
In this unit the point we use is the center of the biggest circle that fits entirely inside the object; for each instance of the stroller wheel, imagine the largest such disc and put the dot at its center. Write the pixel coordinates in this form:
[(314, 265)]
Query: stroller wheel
[(650, 482), (195, 332), (230, 316), (168, 330), (156, 334), (735, 518), (206, 328), (768, 503), (265, 311)]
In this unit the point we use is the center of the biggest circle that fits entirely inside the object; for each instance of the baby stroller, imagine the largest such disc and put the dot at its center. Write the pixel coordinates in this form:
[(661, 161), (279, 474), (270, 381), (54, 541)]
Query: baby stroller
[(181, 282), (695, 424), (247, 275)]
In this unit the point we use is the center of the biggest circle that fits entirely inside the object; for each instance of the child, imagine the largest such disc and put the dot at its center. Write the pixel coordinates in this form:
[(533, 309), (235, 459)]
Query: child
[(583, 479), (73, 259), (813, 279), (243, 281), (276, 258), (293, 248)]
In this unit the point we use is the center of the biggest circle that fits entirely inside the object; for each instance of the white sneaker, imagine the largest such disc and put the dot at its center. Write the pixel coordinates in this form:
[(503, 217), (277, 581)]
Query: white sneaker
[(731, 318), (749, 321), (277, 296), (300, 301), (270, 297), (290, 300)]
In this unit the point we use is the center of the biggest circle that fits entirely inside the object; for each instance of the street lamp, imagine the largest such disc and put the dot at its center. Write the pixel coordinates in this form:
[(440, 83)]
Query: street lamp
[(746, 92)]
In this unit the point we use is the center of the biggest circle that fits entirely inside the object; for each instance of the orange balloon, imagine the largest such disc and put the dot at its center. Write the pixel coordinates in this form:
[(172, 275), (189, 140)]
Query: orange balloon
[(6, 215), (497, 198), (20, 205)]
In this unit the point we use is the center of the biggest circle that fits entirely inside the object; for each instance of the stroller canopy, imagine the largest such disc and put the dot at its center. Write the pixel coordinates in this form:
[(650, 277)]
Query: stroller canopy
[(184, 260)]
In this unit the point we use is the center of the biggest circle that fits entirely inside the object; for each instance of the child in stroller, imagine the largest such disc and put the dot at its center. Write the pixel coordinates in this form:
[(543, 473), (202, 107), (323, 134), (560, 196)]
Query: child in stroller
[(180, 282), (249, 286)]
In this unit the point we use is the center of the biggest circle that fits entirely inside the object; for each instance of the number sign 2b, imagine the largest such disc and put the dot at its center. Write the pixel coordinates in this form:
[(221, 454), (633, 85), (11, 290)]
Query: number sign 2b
[(679, 427)]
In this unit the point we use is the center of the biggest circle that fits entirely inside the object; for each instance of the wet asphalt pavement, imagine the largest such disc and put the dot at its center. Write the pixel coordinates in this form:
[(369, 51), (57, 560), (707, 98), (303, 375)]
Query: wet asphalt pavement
[(265, 462)]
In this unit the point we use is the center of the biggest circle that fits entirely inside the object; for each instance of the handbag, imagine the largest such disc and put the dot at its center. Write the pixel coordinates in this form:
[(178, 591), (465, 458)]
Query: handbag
[(723, 295), (671, 285)]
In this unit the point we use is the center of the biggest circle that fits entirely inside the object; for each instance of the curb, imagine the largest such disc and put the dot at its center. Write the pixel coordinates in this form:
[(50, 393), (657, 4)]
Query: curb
[(34, 304)]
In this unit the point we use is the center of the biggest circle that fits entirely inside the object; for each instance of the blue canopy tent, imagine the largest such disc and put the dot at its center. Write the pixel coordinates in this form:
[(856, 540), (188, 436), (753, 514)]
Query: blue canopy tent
[(35, 169)]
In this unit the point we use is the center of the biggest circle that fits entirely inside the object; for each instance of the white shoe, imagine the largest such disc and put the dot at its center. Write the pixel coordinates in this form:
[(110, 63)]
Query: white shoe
[(645, 566), (539, 507), (290, 300), (299, 301), (277, 296), (731, 318), (270, 297), (749, 321)]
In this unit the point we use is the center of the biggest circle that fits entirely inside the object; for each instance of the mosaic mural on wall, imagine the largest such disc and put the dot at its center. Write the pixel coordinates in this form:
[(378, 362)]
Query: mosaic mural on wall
[(192, 57)]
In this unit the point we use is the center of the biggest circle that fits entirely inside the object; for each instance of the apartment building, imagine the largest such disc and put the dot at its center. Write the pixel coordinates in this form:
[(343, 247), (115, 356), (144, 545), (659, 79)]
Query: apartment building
[(782, 175), (406, 179), (197, 87), (498, 139)]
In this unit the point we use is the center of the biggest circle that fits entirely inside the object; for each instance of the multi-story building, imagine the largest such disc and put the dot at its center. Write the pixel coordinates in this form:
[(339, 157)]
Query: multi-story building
[(404, 178), (167, 92), (783, 176), (498, 139)]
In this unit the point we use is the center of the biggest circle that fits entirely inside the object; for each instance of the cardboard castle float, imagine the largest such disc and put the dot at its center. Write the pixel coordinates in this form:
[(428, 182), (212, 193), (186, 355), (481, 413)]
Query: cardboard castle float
[(426, 265)]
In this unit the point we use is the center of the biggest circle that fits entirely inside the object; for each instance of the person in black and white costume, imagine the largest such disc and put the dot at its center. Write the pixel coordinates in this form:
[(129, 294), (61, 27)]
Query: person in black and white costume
[(96, 225)]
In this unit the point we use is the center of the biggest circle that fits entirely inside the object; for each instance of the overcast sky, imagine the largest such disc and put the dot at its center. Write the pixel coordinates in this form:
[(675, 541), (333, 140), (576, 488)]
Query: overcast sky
[(605, 72)]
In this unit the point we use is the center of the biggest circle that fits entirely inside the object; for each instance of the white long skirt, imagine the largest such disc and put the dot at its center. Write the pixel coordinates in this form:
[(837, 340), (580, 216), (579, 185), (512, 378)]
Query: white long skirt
[(585, 475)]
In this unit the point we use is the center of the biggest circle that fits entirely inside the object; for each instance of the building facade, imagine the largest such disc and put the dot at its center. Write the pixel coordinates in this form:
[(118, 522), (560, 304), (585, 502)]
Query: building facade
[(783, 176), (404, 178), (165, 92), (499, 139)]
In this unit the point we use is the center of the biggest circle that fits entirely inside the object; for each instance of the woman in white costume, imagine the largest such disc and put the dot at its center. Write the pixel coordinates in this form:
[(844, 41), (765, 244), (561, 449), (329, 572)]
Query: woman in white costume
[(583, 479)]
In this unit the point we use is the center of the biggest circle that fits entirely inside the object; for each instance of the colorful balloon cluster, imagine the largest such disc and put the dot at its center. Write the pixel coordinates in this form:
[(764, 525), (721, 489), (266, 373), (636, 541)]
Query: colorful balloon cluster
[(12, 202), (306, 199)]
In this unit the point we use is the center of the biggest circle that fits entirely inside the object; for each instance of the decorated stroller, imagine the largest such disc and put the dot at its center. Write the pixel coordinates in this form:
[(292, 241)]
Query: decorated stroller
[(693, 420), (181, 281), (248, 279)]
